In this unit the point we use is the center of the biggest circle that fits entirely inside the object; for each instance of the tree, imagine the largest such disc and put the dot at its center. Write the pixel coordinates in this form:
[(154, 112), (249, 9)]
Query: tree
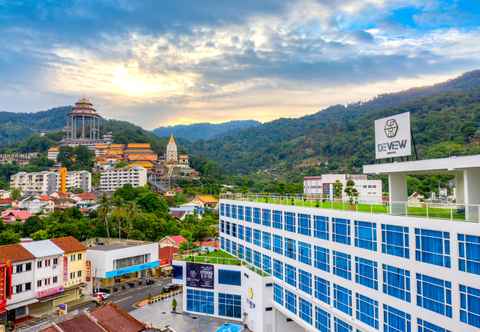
[(351, 191), (32, 225), (40, 235), (174, 305), (337, 189), (9, 237), (16, 194)]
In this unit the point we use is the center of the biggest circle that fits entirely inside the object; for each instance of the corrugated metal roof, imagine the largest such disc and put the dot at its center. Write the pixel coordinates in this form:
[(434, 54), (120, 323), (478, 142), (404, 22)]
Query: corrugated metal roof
[(42, 248)]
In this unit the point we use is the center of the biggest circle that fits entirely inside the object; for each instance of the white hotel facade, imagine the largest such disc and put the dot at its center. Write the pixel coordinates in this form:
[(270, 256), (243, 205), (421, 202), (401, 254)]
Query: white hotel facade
[(404, 270)]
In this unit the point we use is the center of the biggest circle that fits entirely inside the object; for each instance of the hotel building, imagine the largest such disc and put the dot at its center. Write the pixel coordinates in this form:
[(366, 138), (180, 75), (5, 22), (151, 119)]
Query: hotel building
[(363, 268), (114, 178)]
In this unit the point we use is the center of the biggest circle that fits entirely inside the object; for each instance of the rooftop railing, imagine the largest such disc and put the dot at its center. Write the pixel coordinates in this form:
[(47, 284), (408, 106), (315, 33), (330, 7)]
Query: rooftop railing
[(439, 211)]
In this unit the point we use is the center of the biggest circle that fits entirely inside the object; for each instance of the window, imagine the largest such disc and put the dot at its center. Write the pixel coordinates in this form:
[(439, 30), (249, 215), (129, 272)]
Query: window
[(291, 301), (304, 224), (248, 254), (278, 269), (341, 230), (267, 240), (28, 266), (222, 243), (234, 211), (290, 248), (228, 228), (322, 289), (72, 275), (367, 311), (222, 226), (234, 248), (366, 272), (342, 265), (278, 294), (248, 234), (39, 264), (424, 326), (55, 279), (234, 230), (19, 268), (341, 326), (291, 275), (267, 217), (248, 214), (395, 241), (72, 258), (200, 301), (18, 289), (342, 299), (305, 281), (289, 221), (257, 237), (432, 247), (395, 320), (227, 210), (267, 264), (228, 245), (48, 263), (240, 232), (28, 286), (229, 277), (277, 244), (277, 219), (322, 259), (39, 283), (366, 235), (396, 282), (240, 212), (177, 272), (434, 294), (79, 274), (322, 320), (305, 310), (305, 253), (222, 209), (256, 215), (241, 251), (469, 253), (229, 305), (257, 259), (320, 227), (470, 305)]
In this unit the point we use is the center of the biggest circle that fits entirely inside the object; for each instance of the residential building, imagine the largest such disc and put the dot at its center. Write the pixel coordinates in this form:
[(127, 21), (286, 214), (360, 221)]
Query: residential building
[(37, 204), (35, 183), (324, 187), (172, 241), (79, 180), (18, 158), (205, 201), (340, 269), (112, 179), (74, 267), (23, 280), (52, 153), (11, 216)]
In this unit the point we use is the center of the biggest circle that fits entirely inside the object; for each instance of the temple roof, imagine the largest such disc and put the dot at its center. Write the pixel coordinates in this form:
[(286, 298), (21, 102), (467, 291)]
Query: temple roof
[(84, 106)]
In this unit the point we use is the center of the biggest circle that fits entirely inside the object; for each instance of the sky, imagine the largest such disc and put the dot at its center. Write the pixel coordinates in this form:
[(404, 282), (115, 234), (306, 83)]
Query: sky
[(157, 63)]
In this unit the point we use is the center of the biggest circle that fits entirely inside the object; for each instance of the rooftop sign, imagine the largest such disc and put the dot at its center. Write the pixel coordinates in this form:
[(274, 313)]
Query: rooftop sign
[(393, 137)]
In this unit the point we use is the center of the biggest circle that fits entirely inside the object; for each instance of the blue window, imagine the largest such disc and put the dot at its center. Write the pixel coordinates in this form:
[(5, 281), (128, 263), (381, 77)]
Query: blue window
[(289, 221), (342, 299), (248, 254), (322, 320), (432, 247), (234, 230), (322, 289), (257, 259), (228, 246), (256, 215), (277, 244), (240, 212), (257, 237), (305, 281), (395, 241), (222, 243), (367, 310), (200, 301), (241, 251), (305, 253), (234, 248), (234, 211), (229, 305), (304, 224), (341, 326), (470, 305), (366, 272), (228, 210), (424, 326), (434, 294), (278, 269), (366, 235), (305, 310), (248, 214), (395, 320), (290, 248), (341, 230), (227, 228), (267, 264), (469, 253), (222, 209), (277, 219), (222, 226), (320, 227), (291, 301), (240, 232), (177, 272), (322, 259), (266, 217), (342, 265), (278, 294), (248, 234), (291, 275), (267, 240), (396, 282)]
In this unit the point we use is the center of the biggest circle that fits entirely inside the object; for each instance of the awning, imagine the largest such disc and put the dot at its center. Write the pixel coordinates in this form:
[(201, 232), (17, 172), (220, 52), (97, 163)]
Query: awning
[(21, 304)]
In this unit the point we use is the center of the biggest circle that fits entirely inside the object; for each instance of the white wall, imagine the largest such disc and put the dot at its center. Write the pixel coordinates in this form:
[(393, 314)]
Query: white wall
[(46, 272), (21, 279)]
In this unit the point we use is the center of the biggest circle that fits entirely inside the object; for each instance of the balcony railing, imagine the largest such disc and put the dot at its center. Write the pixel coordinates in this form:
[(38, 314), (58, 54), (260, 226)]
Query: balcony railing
[(444, 211)]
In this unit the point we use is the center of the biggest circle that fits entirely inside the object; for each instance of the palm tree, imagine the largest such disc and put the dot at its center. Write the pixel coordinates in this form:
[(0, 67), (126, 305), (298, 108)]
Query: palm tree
[(104, 211)]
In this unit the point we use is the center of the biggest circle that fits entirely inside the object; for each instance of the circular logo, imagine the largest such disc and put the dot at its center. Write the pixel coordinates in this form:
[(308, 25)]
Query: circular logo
[(391, 128), (250, 293)]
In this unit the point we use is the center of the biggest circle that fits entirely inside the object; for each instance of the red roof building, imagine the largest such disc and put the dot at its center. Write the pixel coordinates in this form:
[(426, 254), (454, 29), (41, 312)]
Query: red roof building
[(11, 216), (165, 255), (172, 241)]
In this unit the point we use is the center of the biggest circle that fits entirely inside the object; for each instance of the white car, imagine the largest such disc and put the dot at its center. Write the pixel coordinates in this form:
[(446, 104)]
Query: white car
[(101, 296)]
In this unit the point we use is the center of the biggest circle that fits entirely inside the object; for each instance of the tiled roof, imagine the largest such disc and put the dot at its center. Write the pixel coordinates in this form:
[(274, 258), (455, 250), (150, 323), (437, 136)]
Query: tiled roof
[(17, 214), (6, 201), (15, 253), (87, 196), (69, 244), (178, 239), (43, 248), (177, 214), (79, 323), (207, 199), (114, 319)]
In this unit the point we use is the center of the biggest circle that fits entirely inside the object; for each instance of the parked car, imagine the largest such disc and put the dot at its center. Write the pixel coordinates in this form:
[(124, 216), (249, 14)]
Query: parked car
[(149, 281), (101, 296)]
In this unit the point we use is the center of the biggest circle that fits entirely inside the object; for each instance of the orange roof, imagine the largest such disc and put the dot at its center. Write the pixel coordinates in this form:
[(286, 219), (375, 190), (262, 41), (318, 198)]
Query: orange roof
[(138, 146), (117, 146), (114, 319), (142, 156), (54, 149), (87, 196), (15, 253), (69, 244), (207, 199), (79, 323), (44, 198)]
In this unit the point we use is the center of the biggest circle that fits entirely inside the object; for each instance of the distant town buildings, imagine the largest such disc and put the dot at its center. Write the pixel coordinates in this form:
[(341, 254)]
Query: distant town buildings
[(133, 154), (115, 178), (18, 158)]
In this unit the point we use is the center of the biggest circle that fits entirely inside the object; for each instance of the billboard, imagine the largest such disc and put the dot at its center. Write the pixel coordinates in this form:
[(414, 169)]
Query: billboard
[(200, 275), (393, 137)]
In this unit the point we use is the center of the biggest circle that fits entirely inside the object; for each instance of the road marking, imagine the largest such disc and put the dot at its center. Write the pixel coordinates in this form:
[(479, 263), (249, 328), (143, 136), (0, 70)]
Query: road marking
[(123, 299)]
